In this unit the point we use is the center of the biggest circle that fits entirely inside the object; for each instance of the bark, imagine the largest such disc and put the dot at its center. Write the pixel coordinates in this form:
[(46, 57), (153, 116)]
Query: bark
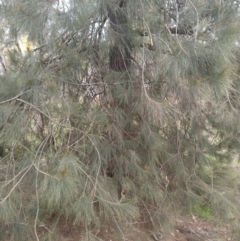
[(120, 51)]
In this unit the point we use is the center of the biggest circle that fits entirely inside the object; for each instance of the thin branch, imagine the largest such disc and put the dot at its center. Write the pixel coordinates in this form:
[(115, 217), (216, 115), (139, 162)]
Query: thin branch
[(16, 185), (14, 98), (37, 213), (119, 228), (16, 176), (44, 173), (99, 157)]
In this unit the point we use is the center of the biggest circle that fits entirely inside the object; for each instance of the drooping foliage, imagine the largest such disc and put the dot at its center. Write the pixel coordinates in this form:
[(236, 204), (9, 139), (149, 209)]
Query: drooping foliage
[(111, 110)]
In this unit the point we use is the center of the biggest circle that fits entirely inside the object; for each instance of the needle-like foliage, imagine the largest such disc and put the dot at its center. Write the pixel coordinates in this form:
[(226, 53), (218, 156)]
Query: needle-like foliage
[(117, 112)]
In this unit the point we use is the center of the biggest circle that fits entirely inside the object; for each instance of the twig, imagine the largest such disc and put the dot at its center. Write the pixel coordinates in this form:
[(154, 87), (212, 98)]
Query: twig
[(37, 197), (16, 185), (14, 98)]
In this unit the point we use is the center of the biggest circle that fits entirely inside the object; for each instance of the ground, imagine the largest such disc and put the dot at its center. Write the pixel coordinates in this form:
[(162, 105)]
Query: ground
[(197, 229), (188, 228)]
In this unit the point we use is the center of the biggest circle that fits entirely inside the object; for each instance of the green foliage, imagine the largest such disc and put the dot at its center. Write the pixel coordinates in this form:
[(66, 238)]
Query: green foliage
[(203, 211), (111, 111)]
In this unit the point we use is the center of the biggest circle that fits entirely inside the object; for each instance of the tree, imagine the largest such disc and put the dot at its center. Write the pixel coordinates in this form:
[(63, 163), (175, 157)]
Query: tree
[(110, 108)]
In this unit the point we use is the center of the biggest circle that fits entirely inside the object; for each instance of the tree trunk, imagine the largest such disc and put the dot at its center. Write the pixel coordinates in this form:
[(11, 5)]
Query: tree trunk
[(120, 51)]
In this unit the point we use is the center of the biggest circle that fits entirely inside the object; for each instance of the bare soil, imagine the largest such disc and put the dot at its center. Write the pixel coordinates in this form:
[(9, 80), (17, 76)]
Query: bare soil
[(197, 229), (187, 229)]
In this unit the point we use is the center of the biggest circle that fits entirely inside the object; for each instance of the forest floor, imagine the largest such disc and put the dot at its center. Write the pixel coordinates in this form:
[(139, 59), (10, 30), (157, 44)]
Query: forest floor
[(197, 229), (186, 229)]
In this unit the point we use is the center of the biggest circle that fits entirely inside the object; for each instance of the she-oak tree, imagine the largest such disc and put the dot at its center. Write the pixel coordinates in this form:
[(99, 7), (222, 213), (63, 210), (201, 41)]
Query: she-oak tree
[(116, 113)]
